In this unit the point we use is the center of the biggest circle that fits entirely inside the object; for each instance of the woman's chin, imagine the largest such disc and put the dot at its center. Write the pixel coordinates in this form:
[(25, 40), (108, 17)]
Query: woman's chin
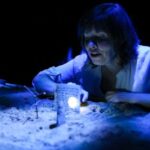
[(98, 62)]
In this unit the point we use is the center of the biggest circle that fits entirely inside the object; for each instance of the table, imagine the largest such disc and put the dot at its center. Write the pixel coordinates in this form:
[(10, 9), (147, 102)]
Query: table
[(99, 125)]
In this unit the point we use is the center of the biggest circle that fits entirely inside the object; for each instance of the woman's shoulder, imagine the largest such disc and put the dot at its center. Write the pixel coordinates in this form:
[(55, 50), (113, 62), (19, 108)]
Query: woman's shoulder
[(143, 55), (142, 49), (141, 80)]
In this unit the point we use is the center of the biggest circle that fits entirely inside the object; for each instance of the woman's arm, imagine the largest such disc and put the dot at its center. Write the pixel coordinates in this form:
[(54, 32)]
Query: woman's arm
[(129, 97), (46, 80), (141, 85), (43, 84)]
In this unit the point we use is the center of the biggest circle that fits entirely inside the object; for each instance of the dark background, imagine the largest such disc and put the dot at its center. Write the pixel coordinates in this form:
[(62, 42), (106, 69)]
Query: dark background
[(38, 35)]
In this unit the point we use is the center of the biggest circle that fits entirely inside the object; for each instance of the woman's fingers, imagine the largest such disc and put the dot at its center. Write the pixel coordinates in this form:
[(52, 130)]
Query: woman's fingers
[(109, 95), (84, 95)]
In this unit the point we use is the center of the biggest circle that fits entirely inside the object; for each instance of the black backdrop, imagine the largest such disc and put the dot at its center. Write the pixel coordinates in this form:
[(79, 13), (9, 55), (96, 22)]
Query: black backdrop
[(38, 35)]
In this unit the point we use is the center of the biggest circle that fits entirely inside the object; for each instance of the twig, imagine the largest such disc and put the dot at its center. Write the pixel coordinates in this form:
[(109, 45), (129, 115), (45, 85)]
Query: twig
[(36, 102)]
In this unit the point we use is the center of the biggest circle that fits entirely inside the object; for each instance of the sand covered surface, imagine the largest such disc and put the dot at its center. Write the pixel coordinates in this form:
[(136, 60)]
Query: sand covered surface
[(97, 126)]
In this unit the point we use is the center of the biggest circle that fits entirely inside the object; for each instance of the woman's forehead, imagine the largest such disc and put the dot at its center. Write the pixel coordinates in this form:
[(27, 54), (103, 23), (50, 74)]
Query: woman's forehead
[(93, 32)]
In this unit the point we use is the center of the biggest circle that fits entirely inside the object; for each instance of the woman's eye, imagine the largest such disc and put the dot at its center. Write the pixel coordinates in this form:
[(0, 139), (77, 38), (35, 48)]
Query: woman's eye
[(96, 40), (102, 39), (86, 40)]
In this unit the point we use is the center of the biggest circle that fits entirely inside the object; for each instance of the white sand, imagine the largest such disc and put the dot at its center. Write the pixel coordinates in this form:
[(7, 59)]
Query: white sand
[(94, 126), (100, 125)]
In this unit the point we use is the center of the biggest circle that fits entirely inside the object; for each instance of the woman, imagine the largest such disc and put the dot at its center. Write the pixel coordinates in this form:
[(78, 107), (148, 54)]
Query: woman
[(114, 66)]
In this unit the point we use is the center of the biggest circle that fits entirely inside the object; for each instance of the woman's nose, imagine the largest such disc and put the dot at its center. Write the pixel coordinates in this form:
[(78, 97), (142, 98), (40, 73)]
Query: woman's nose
[(92, 45)]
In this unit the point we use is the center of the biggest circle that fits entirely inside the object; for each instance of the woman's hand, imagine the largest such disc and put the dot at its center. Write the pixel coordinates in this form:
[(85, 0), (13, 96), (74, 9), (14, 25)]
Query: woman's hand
[(113, 96), (109, 95), (83, 93)]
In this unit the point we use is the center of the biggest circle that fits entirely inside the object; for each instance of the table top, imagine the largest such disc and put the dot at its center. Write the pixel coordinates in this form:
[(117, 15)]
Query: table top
[(99, 125)]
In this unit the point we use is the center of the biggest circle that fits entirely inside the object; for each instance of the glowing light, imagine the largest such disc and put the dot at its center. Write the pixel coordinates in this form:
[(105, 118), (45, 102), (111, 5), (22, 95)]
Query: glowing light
[(73, 102)]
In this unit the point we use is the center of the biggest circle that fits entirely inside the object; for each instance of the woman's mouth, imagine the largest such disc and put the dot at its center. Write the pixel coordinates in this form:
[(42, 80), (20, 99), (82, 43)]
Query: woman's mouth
[(95, 54)]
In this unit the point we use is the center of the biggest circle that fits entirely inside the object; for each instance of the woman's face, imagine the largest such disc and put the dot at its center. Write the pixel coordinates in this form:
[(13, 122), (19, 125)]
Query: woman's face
[(99, 47)]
